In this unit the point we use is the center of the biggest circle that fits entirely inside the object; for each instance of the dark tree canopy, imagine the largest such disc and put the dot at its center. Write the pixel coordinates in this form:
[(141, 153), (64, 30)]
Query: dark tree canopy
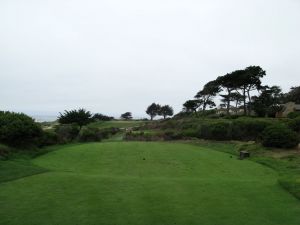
[(101, 117), (80, 117), (206, 95), (153, 110), (241, 81), (268, 102), (293, 95), (230, 83), (126, 116), (191, 105), (165, 111)]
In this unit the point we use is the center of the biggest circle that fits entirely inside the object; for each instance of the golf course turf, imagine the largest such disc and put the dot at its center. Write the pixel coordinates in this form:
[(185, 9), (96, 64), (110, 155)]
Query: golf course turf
[(153, 183)]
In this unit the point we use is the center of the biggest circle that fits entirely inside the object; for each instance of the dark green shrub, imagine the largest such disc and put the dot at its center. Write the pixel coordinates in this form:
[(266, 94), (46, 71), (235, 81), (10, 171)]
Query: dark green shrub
[(48, 138), (204, 131), (293, 115), (18, 129), (206, 113), (216, 130), (295, 124), (106, 133), (191, 132), (213, 116), (67, 133), (221, 131), (4, 151), (231, 117), (279, 136), (172, 135), (90, 134), (248, 129), (143, 136)]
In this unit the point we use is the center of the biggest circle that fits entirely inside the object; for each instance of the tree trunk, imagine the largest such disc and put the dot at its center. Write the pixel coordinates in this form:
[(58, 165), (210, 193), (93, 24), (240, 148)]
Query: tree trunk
[(249, 103), (244, 101), (228, 101), (204, 107)]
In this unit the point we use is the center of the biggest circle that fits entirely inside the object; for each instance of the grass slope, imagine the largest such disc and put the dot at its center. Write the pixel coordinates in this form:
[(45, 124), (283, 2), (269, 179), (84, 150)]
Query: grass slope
[(15, 169), (146, 183)]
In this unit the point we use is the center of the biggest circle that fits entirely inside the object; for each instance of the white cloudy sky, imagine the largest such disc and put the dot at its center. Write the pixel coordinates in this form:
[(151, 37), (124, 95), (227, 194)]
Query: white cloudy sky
[(114, 56)]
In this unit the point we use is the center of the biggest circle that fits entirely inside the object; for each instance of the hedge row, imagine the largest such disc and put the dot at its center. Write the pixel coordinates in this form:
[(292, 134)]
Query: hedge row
[(272, 133)]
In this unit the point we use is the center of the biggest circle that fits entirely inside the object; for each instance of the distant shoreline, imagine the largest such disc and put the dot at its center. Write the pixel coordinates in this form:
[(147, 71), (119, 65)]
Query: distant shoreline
[(44, 118)]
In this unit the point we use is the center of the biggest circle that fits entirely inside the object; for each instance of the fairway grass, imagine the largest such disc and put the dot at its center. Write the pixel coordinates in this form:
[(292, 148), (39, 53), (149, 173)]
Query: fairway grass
[(136, 183)]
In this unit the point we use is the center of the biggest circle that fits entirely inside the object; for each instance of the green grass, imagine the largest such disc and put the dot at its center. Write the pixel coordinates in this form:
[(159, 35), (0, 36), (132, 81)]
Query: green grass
[(116, 124), (15, 169), (146, 183)]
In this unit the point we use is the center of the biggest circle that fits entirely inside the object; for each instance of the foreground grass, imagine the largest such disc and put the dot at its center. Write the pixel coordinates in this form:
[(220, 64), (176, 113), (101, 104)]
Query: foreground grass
[(286, 162), (146, 183), (15, 169)]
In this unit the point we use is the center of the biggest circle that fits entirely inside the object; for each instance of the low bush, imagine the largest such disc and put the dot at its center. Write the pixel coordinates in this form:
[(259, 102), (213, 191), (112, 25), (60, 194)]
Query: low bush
[(143, 136), (221, 131), (231, 117), (295, 124), (48, 138), (279, 136), (18, 129), (106, 133), (217, 130), (173, 135), (67, 132), (89, 134), (293, 115), (248, 129), (95, 134), (4, 151), (191, 132)]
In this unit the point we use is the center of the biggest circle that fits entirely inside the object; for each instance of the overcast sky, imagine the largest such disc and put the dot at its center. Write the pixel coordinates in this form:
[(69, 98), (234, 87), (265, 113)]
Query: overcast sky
[(114, 56)]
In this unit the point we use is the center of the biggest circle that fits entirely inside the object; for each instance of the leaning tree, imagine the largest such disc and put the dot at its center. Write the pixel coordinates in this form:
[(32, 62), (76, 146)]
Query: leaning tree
[(206, 95)]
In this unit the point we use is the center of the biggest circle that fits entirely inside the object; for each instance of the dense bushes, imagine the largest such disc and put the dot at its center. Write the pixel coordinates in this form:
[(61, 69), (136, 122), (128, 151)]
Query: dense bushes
[(293, 115), (279, 136), (67, 133), (248, 129), (48, 138), (89, 134), (94, 134), (242, 129), (295, 124), (17, 129), (143, 136)]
